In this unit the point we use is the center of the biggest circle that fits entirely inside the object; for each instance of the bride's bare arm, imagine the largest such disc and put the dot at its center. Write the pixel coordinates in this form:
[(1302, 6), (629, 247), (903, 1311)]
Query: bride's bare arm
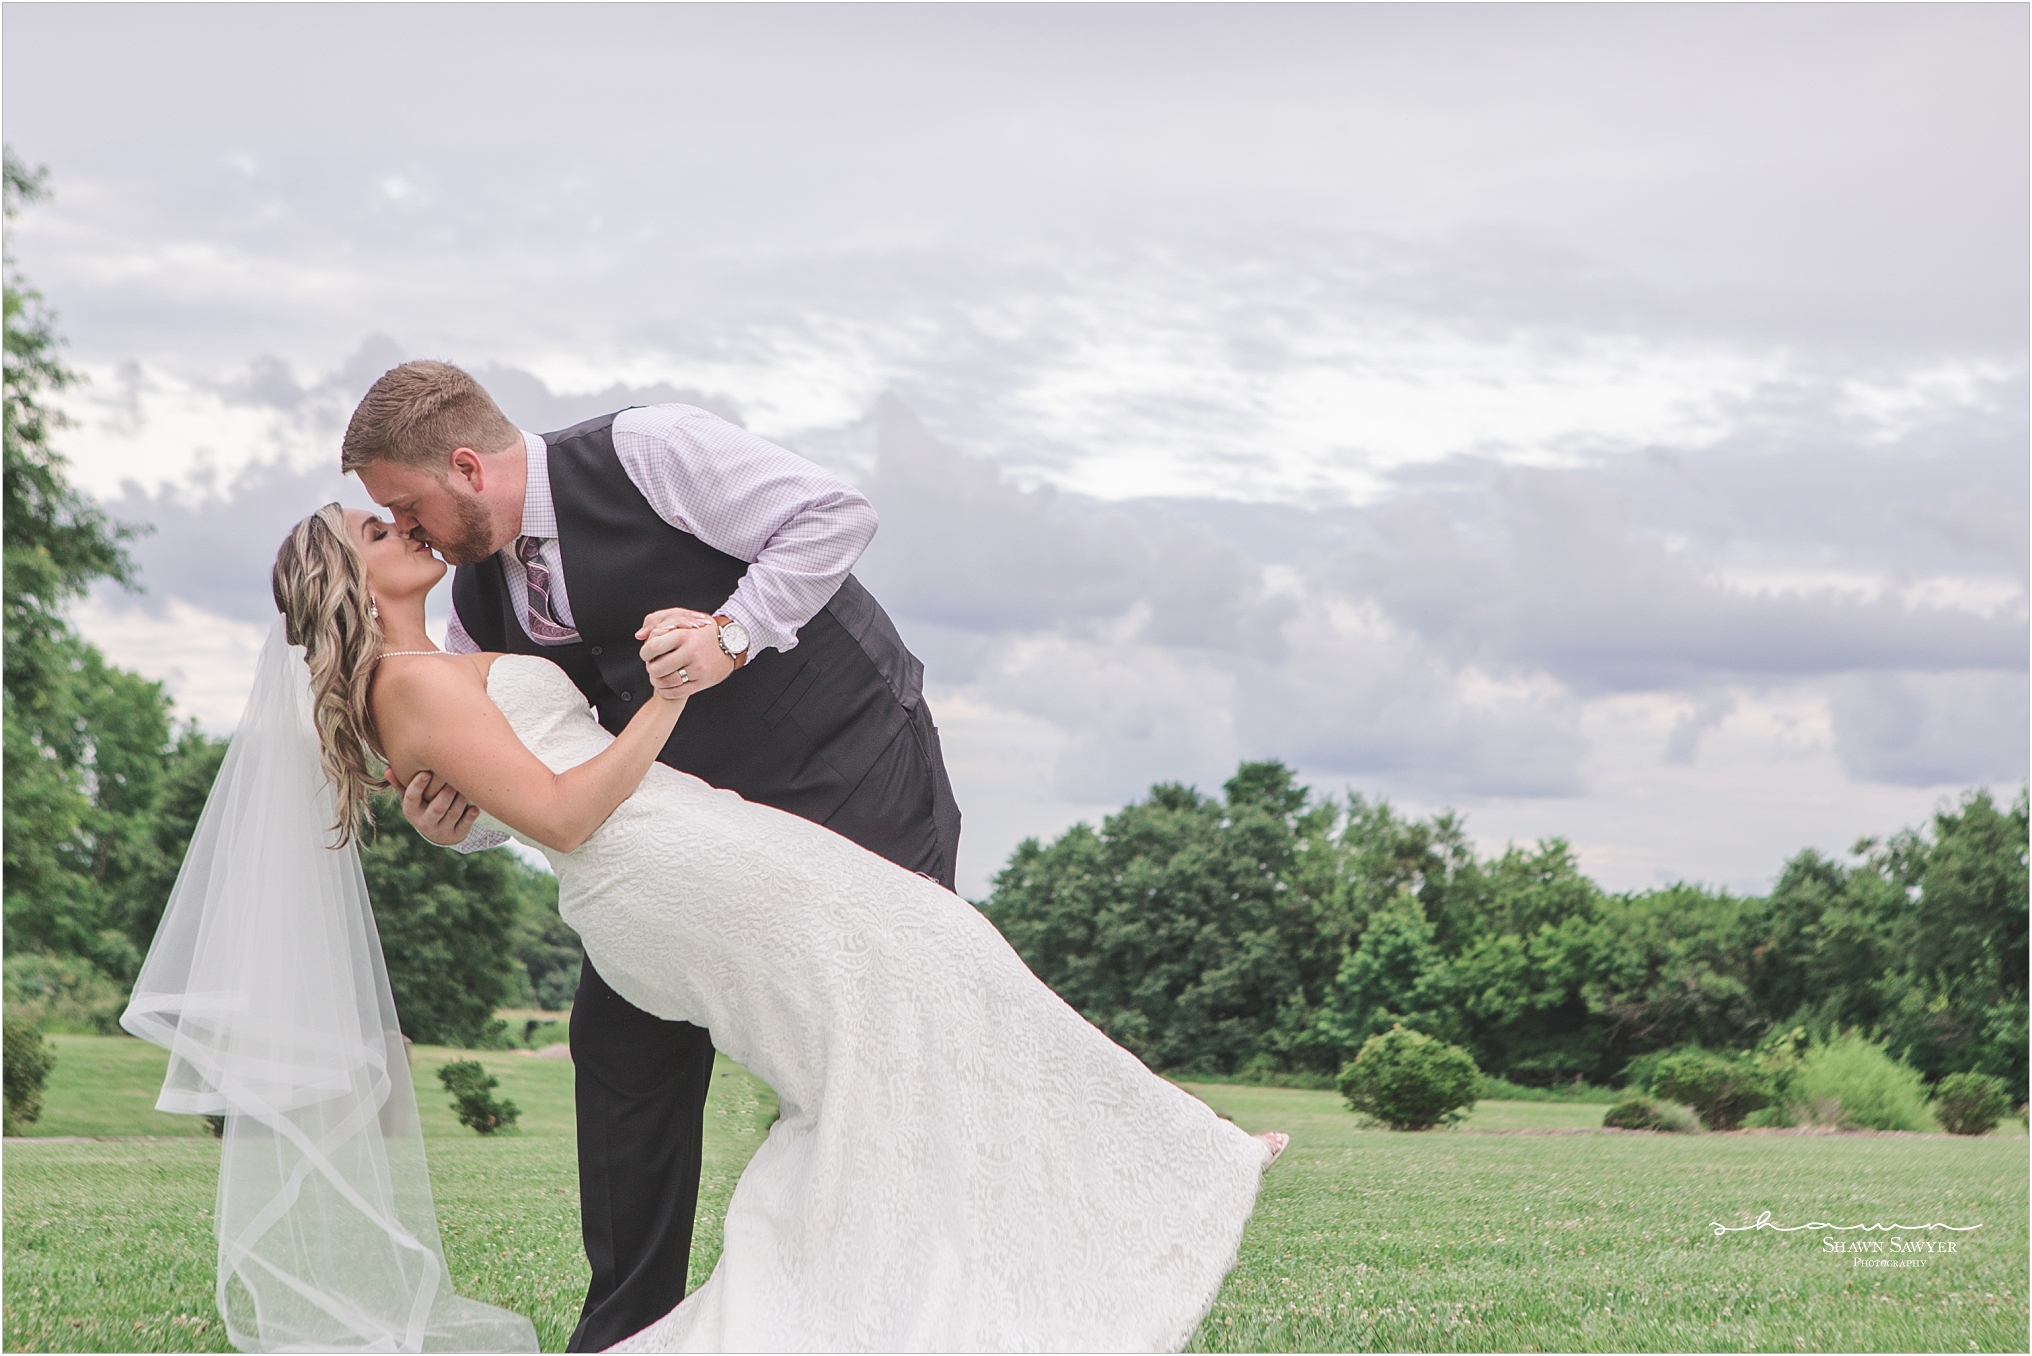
[(438, 716)]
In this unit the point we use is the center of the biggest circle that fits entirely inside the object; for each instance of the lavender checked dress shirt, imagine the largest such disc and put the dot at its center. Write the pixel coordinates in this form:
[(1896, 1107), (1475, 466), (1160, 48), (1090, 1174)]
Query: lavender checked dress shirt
[(799, 528)]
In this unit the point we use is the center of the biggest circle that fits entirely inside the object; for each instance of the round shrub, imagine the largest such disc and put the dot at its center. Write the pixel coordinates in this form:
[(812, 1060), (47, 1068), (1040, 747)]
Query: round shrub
[(1635, 1114), (1641, 1113), (1970, 1103), (26, 1060), (1410, 1081), (1721, 1089)]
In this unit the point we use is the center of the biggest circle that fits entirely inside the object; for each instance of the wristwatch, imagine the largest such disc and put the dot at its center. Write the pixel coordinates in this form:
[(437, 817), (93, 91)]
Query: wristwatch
[(733, 640)]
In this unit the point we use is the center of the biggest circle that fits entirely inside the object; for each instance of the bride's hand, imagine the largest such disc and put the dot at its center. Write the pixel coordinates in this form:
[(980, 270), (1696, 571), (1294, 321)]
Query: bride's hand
[(682, 652), (445, 818), (670, 619)]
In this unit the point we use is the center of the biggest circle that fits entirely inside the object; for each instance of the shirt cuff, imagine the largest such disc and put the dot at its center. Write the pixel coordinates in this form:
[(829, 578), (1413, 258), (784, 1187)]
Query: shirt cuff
[(479, 840), (760, 637)]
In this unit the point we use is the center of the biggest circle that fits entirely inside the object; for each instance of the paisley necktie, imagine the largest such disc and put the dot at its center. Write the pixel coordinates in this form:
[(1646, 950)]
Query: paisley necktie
[(543, 619)]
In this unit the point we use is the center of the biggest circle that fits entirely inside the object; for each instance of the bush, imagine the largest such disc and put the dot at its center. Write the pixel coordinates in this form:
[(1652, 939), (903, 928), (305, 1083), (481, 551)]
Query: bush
[(25, 1062), (472, 1090), (65, 993), (1721, 1089), (1970, 1103), (1410, 1081), (1641, 1113), (1851, 1082)]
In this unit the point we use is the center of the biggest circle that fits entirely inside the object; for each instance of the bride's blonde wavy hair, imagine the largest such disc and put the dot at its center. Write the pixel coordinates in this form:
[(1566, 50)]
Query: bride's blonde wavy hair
[(320, 586)]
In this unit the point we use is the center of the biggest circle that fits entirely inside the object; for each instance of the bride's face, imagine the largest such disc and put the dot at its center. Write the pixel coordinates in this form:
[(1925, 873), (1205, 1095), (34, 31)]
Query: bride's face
[(396, 566)]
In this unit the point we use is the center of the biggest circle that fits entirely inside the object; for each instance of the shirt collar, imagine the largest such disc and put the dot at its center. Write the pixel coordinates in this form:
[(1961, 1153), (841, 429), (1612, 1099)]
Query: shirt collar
[(539, 510)]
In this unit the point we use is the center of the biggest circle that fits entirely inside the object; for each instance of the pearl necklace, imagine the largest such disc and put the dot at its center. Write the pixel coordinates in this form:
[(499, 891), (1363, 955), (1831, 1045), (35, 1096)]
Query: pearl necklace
[(397, 654)]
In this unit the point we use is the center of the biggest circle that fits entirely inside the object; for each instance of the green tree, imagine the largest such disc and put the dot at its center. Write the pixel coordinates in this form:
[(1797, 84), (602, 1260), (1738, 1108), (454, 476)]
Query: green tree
[(1672, 967), (1955, 923), (547, 952), (1174, 927), (447, 923), (1347, 869), (83, 741), (189, 768), (1525, 937), (1822, 945), (1380, 854), (1384, 981)]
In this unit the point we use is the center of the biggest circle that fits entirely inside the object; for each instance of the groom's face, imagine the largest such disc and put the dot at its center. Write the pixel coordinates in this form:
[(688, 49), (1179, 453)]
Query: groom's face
[(444, 511)]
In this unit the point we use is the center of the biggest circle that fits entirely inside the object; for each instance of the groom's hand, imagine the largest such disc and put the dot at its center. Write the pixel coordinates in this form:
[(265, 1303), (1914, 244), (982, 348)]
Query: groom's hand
[(444, 818), (682, 651)]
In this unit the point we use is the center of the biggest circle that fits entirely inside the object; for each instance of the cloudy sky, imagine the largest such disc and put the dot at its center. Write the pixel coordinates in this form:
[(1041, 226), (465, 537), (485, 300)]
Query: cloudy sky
[(1608, 421)]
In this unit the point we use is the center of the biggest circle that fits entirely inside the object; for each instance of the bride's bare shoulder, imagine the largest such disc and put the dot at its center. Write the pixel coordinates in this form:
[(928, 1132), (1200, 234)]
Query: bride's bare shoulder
[(408, 683)]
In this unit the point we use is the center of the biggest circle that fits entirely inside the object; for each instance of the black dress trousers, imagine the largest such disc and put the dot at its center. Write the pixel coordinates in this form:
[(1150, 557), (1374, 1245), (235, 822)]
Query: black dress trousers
[(642, 1081)]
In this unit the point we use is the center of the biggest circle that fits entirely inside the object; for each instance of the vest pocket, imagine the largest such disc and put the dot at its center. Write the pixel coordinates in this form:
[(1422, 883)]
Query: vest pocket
[(799, 685)]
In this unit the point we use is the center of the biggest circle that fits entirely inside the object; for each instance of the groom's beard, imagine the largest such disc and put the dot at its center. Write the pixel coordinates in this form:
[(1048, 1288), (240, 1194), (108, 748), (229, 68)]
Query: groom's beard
[(472, 541)]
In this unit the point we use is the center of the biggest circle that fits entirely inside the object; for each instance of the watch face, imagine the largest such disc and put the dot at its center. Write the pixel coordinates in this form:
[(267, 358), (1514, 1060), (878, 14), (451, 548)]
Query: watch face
[(734, 637)]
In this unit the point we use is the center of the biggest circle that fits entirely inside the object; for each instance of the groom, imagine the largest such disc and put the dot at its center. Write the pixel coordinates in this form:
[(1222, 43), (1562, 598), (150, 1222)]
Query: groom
[(579, 546)]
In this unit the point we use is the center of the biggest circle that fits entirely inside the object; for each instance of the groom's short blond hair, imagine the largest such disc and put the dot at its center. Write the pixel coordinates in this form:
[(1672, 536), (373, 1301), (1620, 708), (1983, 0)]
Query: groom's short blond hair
[(420, 413)]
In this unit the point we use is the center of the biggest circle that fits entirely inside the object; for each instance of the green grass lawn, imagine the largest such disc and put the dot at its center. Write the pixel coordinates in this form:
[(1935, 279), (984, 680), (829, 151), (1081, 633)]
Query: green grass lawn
[(109, 1246), (1459, 1241), (107, 1085), (1363, 1240)]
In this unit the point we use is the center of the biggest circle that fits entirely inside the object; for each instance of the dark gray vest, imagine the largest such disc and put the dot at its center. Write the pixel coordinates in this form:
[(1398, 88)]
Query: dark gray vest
[(796, 730)]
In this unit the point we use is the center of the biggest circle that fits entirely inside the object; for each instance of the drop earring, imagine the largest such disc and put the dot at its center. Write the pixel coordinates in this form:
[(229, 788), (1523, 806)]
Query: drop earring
[(374, 609)]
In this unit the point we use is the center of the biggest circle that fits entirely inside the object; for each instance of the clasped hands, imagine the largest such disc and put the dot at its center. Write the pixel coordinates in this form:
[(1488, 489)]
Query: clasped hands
[(681, 648)]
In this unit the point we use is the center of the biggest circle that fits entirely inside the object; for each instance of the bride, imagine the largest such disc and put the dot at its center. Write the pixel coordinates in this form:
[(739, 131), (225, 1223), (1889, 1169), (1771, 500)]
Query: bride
[(962, 1161)]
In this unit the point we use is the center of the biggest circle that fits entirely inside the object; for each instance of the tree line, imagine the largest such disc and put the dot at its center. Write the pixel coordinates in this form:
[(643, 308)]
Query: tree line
[(1259, 934)]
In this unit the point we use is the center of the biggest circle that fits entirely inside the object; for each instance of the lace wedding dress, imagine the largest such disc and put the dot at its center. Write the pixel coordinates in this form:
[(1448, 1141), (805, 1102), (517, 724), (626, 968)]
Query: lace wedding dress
[(963, 1163)]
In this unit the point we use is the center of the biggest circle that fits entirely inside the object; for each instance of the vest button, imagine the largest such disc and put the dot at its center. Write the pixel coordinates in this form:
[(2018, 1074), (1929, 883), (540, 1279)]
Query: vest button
[(627, 696), (598, 649)]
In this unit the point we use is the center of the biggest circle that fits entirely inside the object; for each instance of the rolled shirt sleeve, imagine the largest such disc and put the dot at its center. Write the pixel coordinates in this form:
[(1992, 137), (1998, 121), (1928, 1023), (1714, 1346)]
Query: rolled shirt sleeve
[(799, 527)]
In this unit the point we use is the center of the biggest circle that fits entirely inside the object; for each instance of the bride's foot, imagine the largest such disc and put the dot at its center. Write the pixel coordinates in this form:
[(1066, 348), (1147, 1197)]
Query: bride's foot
[(1276, 1139)]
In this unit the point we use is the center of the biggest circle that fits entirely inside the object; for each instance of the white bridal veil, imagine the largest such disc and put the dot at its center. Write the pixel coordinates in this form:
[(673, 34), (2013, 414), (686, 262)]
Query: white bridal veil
[(265, 982)]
